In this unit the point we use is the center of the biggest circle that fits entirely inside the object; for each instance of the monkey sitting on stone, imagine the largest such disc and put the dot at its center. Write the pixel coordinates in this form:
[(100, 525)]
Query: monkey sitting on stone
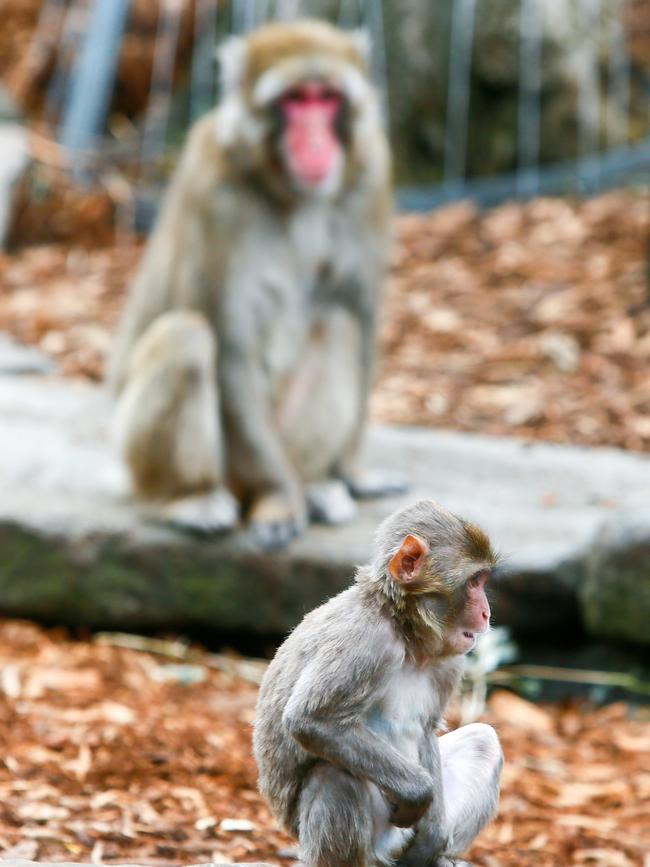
[(245, 354), (344, 735)]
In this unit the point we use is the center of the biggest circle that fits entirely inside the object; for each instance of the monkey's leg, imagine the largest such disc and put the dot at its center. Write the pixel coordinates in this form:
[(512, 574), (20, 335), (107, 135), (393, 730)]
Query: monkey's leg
[(335, 820), (166, 424), (471, 767), (371, 483), (329, 502)]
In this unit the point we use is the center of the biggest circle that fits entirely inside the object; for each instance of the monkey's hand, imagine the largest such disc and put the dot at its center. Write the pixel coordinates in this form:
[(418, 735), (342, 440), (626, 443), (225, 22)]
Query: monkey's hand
[(276, 518), (408, 808)]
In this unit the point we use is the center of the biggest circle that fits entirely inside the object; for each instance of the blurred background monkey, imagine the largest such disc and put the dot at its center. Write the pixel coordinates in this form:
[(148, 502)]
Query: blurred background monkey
[(245, 354)]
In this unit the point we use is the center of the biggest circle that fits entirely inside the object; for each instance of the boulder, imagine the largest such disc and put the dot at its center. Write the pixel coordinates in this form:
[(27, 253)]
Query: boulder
[(615, 593)]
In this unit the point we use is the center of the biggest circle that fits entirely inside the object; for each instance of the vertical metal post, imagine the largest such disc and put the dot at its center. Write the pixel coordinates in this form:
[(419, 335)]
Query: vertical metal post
[(458, 94), (348, 15), (287, 10), (74, 24), (93, 77), (618, 81), (588, 97), (162, 77), (531, 29), (373, 18), (203, 73), (262, 11), (244, 16)]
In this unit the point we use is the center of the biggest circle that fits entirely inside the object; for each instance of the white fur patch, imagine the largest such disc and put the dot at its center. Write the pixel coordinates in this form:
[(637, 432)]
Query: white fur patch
[(282, 76), (234, 124), (232, 55)]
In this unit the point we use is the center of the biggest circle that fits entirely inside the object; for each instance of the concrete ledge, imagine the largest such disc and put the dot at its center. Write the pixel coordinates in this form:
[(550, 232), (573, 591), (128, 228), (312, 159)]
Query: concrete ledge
[(76, 550)]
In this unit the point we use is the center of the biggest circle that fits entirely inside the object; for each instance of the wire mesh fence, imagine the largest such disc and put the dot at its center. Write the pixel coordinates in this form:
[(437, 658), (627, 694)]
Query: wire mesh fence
[(83, 41)]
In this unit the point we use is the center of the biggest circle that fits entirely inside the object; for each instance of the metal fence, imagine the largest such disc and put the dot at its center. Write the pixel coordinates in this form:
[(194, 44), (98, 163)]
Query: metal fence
[(81, 87)]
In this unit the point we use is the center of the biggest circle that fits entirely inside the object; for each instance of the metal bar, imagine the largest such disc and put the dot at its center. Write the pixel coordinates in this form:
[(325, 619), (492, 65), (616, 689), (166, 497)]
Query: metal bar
[(94, 76), (162, 78), (458, 96), (74, 23), (530, 92), (588, 108), (287, 10), (243, 16), (618, 81), (203, 73), (348, 14), (262, 11), (627, 162), (373, 16), (250, 15)]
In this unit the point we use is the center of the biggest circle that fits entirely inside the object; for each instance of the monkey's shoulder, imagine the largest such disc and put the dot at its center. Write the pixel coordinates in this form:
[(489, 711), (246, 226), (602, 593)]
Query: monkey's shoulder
[(343, 627)]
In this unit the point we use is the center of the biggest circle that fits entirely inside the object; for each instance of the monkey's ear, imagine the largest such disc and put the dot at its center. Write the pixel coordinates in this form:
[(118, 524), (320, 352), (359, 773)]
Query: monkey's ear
[(406, 564)]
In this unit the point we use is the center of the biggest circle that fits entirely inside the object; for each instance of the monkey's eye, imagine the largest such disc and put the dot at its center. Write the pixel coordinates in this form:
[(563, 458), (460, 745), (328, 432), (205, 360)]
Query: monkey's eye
[(330, 95), (478, 578), (294, 95)]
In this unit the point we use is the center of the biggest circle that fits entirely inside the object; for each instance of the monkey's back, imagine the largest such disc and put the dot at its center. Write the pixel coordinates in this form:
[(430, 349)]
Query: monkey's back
[(327, 631)]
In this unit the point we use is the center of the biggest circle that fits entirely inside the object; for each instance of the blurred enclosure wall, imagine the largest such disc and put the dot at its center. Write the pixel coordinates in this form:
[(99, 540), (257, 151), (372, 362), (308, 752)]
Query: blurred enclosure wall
[(491, 98)]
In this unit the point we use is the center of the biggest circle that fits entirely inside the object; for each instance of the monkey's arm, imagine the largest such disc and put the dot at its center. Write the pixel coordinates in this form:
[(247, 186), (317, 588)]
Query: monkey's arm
[(326, 715), (258, 462), (173, 271), (432, 833)]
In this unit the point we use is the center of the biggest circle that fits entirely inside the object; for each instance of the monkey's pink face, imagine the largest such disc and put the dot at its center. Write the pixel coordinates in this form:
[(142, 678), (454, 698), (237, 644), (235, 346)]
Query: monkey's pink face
[(311, 141), (473, 617)]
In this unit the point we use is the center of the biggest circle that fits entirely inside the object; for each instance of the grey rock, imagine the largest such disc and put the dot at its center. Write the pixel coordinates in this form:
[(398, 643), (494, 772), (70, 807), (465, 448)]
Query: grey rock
[(76, 549), (16, 358), (615, 594)]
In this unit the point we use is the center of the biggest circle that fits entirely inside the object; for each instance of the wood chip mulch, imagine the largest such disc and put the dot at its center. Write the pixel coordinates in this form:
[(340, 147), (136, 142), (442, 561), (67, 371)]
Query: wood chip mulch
[(119, 755), (530, 319)]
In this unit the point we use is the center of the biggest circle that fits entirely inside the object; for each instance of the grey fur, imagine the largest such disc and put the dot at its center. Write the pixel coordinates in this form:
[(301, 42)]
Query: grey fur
[(344, 735)]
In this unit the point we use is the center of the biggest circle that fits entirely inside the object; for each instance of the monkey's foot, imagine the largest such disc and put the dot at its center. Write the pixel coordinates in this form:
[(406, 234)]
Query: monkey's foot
[(329, 502), (275, 521), (367, 484), (207, 514)]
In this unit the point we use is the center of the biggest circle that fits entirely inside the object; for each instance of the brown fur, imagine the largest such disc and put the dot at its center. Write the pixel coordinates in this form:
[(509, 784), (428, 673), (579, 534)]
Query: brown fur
[(277, 282), (274, 43)]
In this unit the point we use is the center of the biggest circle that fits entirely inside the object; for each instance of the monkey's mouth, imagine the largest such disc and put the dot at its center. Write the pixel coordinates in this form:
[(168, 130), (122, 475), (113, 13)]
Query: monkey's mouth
[(469, 635)]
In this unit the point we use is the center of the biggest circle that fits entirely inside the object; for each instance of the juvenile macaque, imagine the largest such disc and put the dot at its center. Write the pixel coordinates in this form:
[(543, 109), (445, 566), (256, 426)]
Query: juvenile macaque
[(345, 731), (245, 354)]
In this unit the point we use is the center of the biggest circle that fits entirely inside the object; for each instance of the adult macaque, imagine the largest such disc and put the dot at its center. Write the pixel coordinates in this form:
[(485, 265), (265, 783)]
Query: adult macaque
[(344, 736), (245, 354)]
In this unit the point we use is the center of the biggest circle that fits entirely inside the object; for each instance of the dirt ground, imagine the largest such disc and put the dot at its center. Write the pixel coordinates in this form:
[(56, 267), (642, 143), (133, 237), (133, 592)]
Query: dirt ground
[(120, 755)]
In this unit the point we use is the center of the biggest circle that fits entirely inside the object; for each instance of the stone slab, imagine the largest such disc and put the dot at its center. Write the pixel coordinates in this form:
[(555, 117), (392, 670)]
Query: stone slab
[(16, 358), (77, 550)]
